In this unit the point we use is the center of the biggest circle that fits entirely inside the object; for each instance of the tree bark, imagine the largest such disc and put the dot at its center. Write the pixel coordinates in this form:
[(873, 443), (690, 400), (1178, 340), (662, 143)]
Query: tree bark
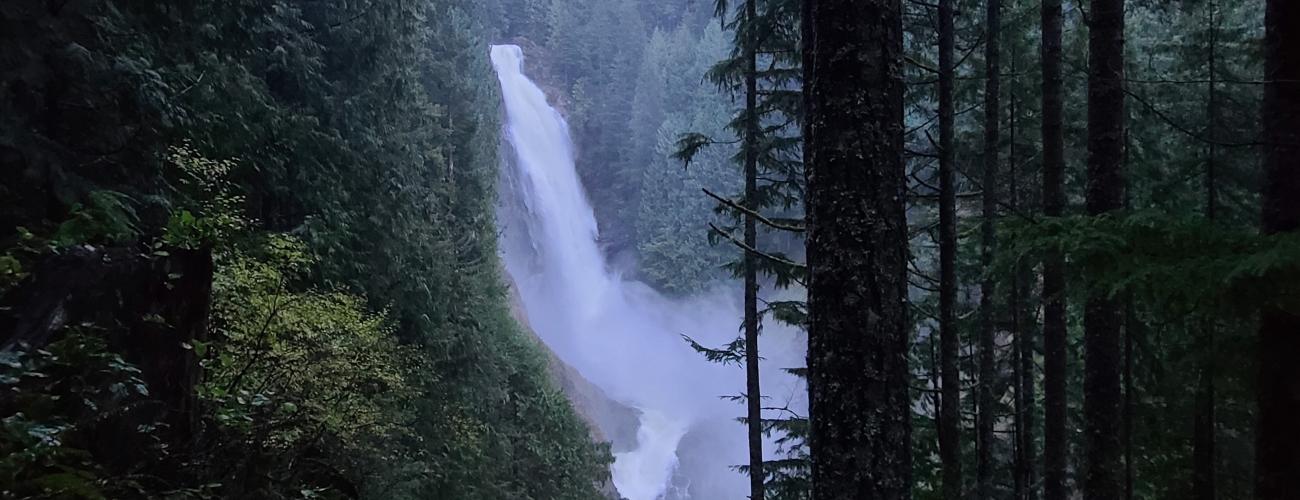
[(860, 436), (992, 137), (1022, 332), (753, 393), (1055, 347), (1277, 449), (949, 338), (1130, 326), (1102, 395), (1203, 433)]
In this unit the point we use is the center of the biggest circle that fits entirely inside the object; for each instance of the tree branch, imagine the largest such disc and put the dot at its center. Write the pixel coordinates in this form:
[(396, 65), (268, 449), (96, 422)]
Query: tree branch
[(757, 216), (755, 251)]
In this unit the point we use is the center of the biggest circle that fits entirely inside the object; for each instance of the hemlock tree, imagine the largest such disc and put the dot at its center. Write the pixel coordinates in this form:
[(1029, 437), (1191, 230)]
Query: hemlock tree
[(763, 69), (857, 328)]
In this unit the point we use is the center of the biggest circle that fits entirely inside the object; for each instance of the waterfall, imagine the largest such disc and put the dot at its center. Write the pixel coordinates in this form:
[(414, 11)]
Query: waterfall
[(621, 335)]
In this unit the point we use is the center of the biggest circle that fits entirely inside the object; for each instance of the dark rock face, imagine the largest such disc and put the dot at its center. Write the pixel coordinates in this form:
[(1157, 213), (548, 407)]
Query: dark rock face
[(148, 305)]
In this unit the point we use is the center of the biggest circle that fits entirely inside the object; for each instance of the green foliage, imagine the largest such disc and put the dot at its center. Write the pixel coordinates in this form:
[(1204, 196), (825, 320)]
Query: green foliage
[(58, 401), (208, 210), (1179, 272), (26, 248), (105, 217), (768, 133), (298, 373), (369, 133), (789, 477), (674, 250), (1181, 264)]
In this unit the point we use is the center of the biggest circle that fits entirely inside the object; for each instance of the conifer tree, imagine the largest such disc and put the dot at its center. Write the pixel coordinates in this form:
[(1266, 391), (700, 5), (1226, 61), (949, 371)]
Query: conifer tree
[(764, 32)]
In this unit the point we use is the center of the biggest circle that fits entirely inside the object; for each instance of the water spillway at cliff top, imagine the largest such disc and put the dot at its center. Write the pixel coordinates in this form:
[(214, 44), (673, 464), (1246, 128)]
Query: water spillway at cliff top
[(621, 335)]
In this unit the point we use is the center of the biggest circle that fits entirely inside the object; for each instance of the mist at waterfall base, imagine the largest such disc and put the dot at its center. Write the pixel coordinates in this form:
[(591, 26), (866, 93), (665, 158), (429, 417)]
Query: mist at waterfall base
[(621, 335)]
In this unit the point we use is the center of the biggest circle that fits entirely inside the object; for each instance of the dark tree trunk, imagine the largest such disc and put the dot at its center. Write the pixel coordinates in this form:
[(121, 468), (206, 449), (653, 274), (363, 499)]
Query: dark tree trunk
[(1277, 449), (1055, 444), (1130, 328), (1203, 439), (753, 393), (1056, 447), (1102, 395), (860, 436), (949, 338), (1022, 332), (1203, 433), (992, 137)]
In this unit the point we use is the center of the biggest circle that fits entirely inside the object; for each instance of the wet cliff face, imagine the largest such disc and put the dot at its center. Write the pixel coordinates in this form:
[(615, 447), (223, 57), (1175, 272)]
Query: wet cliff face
[(609, 421), (539, 66)]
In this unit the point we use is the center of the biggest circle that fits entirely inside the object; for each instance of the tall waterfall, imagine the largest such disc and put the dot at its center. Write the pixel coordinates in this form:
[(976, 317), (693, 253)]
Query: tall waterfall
[(619, 334)]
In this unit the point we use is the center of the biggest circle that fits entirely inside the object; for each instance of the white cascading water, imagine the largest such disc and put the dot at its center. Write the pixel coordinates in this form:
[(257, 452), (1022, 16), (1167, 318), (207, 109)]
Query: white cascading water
[(621, 335)]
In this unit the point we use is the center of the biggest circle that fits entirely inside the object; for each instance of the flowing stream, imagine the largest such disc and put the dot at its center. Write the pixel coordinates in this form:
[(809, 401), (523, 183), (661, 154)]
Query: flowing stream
[(619, 334)]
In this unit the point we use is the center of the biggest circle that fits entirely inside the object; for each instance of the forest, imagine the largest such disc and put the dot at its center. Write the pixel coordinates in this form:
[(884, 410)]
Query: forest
[(528, 249)]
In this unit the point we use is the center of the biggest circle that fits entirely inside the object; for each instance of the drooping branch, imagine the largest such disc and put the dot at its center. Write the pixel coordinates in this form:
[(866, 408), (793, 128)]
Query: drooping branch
[(750, 212), (1172, 123), (779, 260)]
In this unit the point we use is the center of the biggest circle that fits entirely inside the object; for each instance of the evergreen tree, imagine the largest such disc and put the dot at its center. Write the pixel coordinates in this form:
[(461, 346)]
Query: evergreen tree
[(764, 32)]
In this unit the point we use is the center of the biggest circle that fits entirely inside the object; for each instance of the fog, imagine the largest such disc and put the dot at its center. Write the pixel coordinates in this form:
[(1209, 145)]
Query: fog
[(620, 334)]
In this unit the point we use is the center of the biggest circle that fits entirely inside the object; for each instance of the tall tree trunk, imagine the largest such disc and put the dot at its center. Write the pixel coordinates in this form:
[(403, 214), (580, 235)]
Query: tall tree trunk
[(992, 136), (1021, 331), (753, 393), (1203, 433), (1102, 395), (1055, 347), (1130, 325), (1277, 449), (860, 435), (949, 338)]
